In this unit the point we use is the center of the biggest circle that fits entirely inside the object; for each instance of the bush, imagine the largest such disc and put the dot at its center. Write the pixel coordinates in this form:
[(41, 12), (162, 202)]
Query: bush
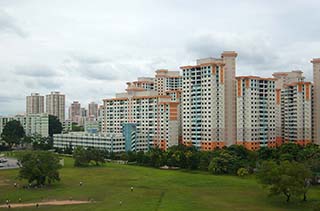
[(242, 172)]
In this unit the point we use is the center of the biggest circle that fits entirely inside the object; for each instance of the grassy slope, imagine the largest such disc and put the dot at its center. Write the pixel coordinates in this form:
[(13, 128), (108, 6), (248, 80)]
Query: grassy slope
[(153, 190)]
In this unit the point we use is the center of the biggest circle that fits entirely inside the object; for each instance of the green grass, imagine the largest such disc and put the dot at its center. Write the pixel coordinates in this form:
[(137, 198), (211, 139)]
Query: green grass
[(153, 190)]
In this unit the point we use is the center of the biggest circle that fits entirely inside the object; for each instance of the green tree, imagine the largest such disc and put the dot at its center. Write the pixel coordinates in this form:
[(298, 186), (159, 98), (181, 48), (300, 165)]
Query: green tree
[(95, 155), (83, 157), (242, 172), (40, 167), (287, 178), (224, 163), (76, 127), (205, 158), (140, 157), (289, 151), (80, 156), (55, 126), (266, 153), (12, 133), (41, 143)]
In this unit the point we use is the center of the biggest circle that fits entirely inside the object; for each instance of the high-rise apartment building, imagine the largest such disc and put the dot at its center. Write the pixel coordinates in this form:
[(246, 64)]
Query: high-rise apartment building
[(296, 113), (293, 108), (316, 100), (74, 111), (146, 116), (282, 79), (167, 81), (35, 104), (55, 105), (93, 110), (256, 112), (209, 102)]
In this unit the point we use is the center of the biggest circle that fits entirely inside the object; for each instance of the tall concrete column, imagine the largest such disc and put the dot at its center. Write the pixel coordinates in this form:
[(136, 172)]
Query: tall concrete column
[(230, 131), (316, 100)]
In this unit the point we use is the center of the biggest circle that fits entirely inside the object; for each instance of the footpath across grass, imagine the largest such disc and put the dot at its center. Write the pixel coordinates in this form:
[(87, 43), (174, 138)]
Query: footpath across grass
[(153, 189)]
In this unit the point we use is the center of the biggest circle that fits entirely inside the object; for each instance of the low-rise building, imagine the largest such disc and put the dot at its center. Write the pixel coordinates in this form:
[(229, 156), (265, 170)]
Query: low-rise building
[(110, 143), (32, 123)]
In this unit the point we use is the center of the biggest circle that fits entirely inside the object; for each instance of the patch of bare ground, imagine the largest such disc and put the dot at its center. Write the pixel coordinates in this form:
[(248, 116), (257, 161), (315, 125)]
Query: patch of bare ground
[(45, 203)]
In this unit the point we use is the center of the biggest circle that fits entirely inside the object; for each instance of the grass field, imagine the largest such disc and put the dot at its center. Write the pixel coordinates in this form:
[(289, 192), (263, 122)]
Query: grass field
[(153, 190)]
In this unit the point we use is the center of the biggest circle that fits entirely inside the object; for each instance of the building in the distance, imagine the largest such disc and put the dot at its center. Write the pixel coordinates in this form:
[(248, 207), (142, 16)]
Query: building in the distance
[(74, 111), (283, 78), (93, 110), (110, 143), (66, 126), (32, 123), (209, 102), (35, 104), (296, 113), (316, 100), (293, 108), (55, 105), (149, 113), (256, 112)]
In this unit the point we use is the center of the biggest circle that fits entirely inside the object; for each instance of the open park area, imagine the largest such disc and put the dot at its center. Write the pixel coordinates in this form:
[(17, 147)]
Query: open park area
[(108, 187)]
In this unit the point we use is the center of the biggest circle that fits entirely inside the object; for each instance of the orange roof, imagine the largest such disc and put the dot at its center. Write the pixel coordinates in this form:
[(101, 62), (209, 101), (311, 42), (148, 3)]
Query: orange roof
[(315, 60), (298, 83)]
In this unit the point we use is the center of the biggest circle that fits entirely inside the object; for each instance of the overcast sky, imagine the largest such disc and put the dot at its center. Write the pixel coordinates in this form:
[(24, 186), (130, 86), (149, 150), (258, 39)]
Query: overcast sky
[(88, 49)]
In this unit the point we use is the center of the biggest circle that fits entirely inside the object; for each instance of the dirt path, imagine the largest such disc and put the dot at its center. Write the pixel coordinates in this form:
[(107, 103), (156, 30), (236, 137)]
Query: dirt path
[(46, 203)]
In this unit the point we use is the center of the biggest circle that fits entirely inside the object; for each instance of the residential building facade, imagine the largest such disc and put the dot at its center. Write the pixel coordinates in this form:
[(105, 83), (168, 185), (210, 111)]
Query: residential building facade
[(35, 104), (110, 143), (296, 113), (32, 123), (55, 105), (209, 102), (256, 116)]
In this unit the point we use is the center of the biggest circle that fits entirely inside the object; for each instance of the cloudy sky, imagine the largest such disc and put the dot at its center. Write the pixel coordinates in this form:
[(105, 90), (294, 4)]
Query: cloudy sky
[(88, 49)]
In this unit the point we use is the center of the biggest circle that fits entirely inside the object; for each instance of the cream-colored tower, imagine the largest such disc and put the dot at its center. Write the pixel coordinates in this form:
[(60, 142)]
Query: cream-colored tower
[(35, 104), (209, 102), (316, 100), (230, 135), (55, 105)]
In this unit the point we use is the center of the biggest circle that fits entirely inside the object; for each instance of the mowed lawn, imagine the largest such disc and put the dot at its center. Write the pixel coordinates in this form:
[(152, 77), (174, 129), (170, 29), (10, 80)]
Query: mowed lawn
[(154, 189)]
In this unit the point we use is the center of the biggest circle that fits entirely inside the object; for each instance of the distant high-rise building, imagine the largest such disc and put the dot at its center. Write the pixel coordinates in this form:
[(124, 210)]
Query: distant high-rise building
[(83, 112), (316, 100), (93, 110), (74, 111), (55, 105), (35, 104)]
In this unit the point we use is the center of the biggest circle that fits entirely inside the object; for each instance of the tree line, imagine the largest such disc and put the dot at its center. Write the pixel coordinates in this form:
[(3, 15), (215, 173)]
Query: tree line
[(289, 170)]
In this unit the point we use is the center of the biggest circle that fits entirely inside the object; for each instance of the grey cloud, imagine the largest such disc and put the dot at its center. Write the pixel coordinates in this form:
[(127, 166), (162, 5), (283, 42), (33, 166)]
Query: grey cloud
[(97, 68), (9, 99), (9, 25), (42, 83), (35, 71), (252, 50)]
